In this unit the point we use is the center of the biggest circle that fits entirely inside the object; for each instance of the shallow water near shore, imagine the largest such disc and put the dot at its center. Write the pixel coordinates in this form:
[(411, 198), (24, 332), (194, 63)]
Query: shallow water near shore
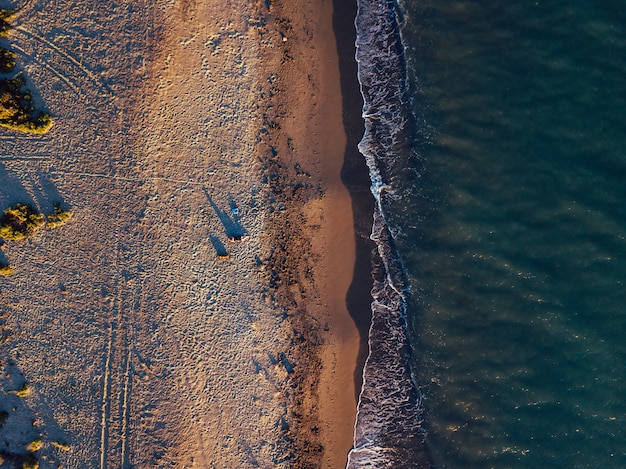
[(508, 219)]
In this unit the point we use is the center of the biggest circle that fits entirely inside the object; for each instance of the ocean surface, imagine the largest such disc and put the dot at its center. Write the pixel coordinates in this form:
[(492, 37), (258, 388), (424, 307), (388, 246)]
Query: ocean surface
[(495, 134)]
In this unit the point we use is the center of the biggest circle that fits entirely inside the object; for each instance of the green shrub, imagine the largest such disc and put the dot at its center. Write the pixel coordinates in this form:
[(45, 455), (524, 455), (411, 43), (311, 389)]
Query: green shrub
[(30, 462), (5, 269), (20, 221), (5, 17), (59, 216), (7, 60), (35, 445), (17, 110), (23, 391)]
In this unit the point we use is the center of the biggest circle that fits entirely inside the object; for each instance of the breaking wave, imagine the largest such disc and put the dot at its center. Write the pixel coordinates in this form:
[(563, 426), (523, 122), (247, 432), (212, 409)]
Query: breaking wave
[(388, 428)]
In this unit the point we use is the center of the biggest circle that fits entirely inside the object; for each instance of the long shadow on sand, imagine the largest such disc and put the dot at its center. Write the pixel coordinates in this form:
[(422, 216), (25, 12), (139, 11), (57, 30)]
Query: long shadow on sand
[(355, 177), (220, 249), (47, 194), (23, 421), (12, 190), (232, 227)]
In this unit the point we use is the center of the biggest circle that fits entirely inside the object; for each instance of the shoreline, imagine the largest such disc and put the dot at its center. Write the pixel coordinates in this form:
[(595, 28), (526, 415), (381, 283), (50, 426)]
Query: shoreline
[(356, 179), (334, 240)]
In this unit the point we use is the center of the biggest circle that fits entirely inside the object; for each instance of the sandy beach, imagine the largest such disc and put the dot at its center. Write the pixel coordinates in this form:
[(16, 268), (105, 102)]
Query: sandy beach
[(193, 311)]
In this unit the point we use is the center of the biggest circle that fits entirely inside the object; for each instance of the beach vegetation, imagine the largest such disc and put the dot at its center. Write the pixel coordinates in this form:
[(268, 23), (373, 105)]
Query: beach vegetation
[(30, 462), (17, 109), (5, 269), (58, 216), (7, 60), (35, 445), (20, 221), (23, 391), (5, 17), (61, 446)]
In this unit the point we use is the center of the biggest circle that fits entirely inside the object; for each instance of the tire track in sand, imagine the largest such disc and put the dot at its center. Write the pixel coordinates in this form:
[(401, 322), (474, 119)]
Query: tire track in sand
[(106, 385), (61, 76), (66, 55), (126, 403)]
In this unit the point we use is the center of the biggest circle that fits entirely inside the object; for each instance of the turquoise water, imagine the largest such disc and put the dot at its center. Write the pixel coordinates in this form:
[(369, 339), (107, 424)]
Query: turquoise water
[(513, 238)]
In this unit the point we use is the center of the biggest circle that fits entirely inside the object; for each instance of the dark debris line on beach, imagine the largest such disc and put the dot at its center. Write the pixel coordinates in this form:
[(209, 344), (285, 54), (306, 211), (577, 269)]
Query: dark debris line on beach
[(289, 267)]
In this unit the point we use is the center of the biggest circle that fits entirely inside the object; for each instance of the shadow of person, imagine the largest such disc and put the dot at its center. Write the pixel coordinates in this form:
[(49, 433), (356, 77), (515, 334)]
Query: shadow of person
[(234, 230), (220, 249)]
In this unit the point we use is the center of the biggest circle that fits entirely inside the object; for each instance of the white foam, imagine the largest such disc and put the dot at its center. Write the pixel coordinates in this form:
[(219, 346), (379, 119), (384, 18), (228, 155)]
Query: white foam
[(388, 424)]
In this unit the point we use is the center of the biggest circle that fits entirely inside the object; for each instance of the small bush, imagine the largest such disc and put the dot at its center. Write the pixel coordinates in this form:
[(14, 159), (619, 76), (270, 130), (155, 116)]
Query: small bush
[(5, 269), (17, 109), (59, 216), (30, 462), (24, 122), (5, 17), (20, 221), (61, 446), (35, 445), (7, 60), (23, 391)]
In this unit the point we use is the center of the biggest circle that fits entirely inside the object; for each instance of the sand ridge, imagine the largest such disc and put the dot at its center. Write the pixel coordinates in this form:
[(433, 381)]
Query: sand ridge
[(145, 347)]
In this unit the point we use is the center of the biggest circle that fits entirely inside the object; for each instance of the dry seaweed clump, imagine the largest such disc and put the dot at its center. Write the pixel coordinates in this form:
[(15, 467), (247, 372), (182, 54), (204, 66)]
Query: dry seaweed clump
[(20, 222), (17, 109)]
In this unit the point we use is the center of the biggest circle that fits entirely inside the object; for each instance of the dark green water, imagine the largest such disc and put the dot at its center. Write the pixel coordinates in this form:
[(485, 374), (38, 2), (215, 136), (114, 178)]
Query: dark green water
[(515, 243)]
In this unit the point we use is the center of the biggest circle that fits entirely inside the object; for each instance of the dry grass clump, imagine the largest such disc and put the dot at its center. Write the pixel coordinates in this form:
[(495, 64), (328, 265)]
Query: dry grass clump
[(20, 221)]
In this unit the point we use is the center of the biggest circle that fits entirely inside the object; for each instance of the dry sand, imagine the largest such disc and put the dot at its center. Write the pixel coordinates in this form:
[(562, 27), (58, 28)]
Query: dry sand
[(141, 345)]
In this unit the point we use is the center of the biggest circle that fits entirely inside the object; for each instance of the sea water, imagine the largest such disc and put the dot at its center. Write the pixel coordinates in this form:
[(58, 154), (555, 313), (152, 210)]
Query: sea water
[(496, 140)]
